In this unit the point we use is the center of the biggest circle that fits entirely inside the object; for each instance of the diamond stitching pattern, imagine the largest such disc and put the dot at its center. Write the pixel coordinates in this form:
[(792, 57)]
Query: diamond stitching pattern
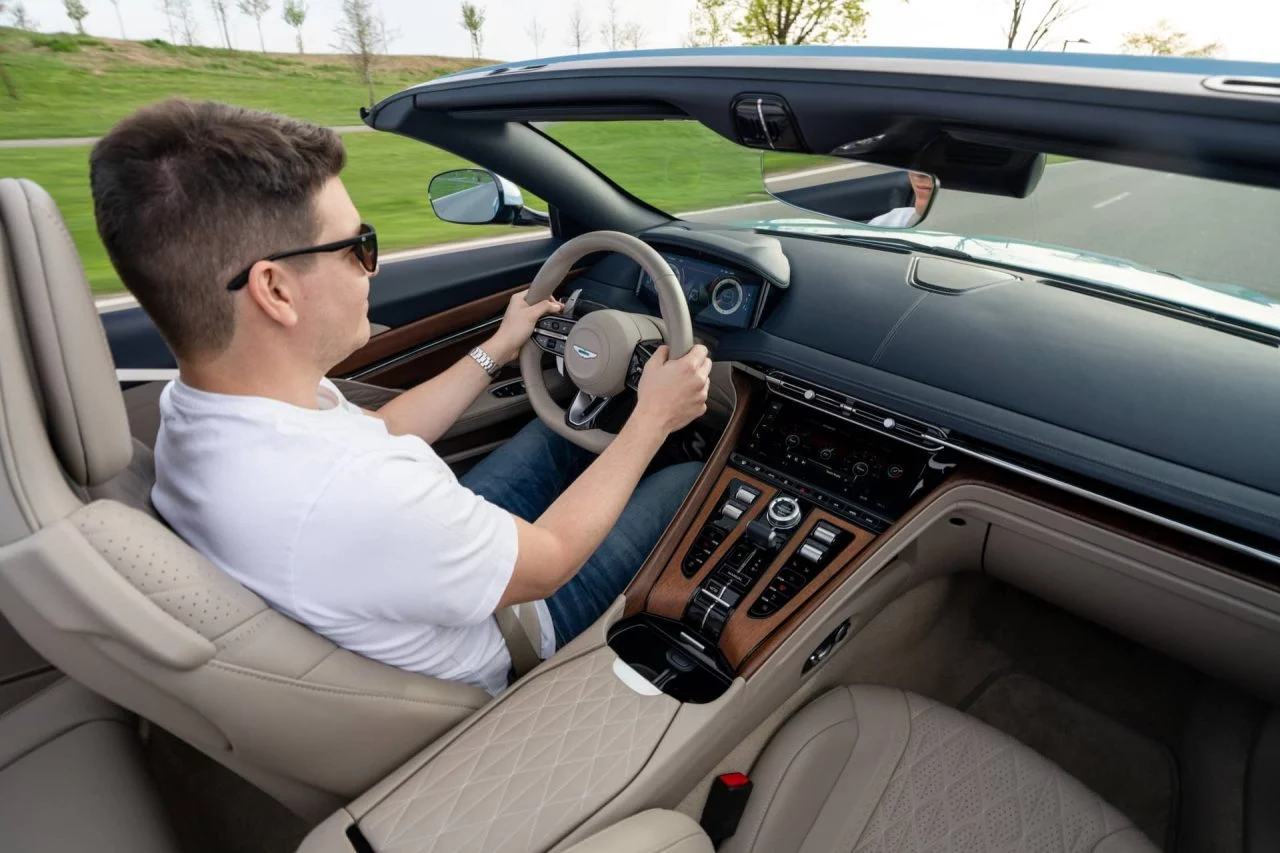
[(962, 786), (531, 770)]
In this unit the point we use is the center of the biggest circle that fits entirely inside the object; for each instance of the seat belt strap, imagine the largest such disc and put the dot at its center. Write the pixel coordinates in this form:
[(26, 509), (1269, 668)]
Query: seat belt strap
[(518, 631)]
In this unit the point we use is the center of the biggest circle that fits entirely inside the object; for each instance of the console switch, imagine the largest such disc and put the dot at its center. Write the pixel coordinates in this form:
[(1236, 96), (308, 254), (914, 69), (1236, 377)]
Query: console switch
[(732, 510), (746, 495), (812, 552), (824, 533)]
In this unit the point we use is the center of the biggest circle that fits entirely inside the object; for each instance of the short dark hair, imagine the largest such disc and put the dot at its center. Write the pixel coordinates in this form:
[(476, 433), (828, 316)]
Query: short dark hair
[(187, 194)]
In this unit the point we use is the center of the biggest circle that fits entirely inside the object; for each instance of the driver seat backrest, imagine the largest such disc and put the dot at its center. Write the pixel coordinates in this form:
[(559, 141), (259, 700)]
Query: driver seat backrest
[(112, 597)]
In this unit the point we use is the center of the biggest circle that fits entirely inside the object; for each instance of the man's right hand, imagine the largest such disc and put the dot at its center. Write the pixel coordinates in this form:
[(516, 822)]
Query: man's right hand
[(673, 392)]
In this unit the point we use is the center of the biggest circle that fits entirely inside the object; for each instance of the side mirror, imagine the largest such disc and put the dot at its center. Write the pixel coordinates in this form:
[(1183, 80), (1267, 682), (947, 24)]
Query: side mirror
[(479, 197), (854, 191)]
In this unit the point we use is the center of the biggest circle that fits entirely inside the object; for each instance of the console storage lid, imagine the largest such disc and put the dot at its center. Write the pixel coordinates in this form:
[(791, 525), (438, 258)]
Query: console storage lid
[(523, 774)]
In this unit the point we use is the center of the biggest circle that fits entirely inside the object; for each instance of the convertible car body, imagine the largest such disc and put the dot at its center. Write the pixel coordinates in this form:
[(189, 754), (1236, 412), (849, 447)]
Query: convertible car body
[(985, 554)]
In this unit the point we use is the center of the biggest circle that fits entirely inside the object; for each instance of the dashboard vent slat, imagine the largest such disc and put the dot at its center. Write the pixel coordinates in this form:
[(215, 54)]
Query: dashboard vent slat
[(857, 411)]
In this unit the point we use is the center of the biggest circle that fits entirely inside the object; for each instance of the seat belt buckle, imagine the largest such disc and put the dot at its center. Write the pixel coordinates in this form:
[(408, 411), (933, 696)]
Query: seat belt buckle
[(725, 806)]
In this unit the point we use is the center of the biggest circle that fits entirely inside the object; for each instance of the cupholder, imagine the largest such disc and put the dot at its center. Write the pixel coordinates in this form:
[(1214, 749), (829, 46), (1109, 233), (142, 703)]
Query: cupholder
[(663, 653)]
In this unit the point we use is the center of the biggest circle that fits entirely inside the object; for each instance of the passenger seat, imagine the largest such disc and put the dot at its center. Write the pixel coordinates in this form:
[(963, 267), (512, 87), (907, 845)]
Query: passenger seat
[(872, 769), (73, 778)]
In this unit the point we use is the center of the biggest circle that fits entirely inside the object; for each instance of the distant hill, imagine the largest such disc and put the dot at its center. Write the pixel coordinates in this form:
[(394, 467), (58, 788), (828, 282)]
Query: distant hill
[(71, 85)]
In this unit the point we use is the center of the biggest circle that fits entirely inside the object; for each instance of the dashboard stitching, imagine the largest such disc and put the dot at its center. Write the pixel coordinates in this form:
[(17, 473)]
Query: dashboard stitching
[(1265, 518), (888, 338)]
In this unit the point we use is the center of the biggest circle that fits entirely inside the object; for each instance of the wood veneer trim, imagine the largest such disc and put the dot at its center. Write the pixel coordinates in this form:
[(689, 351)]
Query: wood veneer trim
[(743, 633), (638, 590), (671, 593), (766, 645), (395, 341)]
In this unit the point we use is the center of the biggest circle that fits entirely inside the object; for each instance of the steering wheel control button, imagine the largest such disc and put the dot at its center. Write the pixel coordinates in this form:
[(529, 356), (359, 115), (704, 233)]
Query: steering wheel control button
[(783, 512)]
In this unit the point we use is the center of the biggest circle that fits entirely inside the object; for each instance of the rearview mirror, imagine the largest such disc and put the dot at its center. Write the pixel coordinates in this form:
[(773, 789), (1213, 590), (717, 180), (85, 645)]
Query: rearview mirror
[(479, 197), (850, 190)]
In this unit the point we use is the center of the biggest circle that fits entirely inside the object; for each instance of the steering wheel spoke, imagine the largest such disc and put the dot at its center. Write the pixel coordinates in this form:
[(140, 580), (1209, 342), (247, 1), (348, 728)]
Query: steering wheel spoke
[(585, 410), (639, 358), (551, 333)]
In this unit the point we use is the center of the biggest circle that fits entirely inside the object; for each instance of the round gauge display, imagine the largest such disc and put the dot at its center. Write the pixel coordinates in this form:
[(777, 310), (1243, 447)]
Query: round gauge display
[(726, 295)]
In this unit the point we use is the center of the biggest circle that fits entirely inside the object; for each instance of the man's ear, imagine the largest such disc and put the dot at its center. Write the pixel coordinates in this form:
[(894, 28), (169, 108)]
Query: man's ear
[(275, 291)]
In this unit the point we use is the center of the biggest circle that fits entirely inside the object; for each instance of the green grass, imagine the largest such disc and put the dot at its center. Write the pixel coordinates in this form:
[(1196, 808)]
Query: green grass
[(74, 86)]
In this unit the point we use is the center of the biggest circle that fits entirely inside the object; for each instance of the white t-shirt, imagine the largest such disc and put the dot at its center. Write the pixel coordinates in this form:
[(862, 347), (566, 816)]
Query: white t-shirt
[(364, 536), (899, 217)]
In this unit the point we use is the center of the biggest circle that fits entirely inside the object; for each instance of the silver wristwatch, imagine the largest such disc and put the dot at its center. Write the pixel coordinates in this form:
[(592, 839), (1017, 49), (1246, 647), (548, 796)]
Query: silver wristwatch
[(485, 360)]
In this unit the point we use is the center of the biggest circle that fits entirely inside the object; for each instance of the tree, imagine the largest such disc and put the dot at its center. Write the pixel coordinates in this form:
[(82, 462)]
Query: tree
[(473, 22), (77, 12), (385, 35), (536, 33), (256, 9), (169, 9), (801, 21), (579, 28), (710, 24), (21, 19), (358, 36), (119, 18), (220, 19), (295, 15), (187, 20), (1054, 12), (1163, 40), (632, 35), (611, 29)]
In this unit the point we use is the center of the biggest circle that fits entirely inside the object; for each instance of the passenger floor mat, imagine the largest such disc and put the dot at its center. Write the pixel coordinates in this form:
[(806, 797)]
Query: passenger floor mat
[(1134, 773)]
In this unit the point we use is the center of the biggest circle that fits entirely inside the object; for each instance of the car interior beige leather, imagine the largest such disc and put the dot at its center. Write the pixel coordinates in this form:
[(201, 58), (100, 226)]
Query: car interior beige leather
[(652, 831), (109, 595), (73, 778), (868, 768)]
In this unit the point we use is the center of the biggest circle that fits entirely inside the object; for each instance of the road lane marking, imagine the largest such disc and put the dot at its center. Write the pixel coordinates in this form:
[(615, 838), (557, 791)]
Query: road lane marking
[(1112, 200)]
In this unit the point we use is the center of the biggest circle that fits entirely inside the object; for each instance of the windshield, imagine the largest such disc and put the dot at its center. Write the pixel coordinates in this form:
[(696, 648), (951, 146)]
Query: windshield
[(1205, 244)]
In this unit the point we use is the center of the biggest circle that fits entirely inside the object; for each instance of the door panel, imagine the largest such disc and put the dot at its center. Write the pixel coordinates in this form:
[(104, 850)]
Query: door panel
[(405, 290)]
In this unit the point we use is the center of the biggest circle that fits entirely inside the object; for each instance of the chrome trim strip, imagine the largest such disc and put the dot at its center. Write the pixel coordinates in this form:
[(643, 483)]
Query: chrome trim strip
[(425, 349), (1079, 491)]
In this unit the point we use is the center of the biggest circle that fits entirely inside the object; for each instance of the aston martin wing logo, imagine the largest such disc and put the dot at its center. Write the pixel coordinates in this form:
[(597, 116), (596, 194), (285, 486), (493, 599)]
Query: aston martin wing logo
[(583, 352)]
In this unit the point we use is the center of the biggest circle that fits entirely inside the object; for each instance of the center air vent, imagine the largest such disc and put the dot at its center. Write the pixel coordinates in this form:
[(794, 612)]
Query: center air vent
[(910, 430)]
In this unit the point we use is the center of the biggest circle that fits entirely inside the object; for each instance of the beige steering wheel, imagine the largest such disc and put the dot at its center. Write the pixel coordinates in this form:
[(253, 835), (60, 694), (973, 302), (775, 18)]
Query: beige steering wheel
[(604, 351)]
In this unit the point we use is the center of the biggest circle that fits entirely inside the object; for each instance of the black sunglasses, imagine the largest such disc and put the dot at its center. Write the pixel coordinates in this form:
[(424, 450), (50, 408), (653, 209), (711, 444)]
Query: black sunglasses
[(366, 251)]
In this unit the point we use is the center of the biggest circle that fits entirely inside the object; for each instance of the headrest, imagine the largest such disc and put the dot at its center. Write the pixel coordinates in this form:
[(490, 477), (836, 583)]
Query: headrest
[(82, 406)]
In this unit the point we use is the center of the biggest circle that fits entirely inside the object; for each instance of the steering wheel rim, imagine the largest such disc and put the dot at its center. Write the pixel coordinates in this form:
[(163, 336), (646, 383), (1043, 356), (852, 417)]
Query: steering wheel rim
[(610, 332)]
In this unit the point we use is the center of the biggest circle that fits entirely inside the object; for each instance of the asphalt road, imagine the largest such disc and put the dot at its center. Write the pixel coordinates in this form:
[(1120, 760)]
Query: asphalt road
[(1197, 228)]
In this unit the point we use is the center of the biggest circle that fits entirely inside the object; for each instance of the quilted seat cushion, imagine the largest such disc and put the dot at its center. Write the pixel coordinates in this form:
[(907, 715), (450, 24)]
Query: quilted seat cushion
[(869, 769)]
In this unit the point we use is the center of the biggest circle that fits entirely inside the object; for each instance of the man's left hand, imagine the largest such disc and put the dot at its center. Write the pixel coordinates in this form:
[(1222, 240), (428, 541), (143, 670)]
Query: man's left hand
[(517, 326)]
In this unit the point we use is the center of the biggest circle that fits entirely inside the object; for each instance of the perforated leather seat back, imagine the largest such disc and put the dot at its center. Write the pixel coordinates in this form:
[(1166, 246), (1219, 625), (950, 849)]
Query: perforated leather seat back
[(112, 597)]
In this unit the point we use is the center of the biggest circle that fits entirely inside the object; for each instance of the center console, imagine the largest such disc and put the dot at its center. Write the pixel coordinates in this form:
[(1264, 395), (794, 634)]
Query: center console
[(810, 481)]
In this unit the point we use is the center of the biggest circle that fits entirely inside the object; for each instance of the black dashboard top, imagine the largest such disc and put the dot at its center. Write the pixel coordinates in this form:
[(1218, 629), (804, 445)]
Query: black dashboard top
[(1147, 403)]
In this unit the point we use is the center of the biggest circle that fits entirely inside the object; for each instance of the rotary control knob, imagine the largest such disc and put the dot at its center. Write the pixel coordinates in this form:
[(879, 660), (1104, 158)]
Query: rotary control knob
[(783, 512)]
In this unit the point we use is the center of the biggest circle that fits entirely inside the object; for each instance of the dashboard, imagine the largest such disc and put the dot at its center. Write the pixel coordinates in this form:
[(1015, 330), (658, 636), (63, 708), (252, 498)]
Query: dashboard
[(718, 296)]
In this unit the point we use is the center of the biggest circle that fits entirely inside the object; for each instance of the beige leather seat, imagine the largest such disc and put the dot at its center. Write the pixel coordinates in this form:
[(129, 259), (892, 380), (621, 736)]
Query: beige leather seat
[(104, 591), (873, 769), (73, 778)]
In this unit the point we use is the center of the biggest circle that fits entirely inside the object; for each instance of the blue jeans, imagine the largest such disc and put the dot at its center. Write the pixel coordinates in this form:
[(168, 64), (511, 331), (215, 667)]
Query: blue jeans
[(529, 472)]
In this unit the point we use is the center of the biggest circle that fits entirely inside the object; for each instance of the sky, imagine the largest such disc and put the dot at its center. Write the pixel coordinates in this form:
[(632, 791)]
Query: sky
[(1247, 29)]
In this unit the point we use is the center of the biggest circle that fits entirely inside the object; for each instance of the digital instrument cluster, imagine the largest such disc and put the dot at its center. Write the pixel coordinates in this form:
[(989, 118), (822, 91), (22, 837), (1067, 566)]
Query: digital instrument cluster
[(717, 295)]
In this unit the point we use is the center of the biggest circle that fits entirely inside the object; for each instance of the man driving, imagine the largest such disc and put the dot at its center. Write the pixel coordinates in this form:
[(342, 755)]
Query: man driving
[(236, 235)]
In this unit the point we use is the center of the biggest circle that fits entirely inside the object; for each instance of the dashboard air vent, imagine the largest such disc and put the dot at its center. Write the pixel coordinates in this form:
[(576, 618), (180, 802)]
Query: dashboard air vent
[(860, 412)]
